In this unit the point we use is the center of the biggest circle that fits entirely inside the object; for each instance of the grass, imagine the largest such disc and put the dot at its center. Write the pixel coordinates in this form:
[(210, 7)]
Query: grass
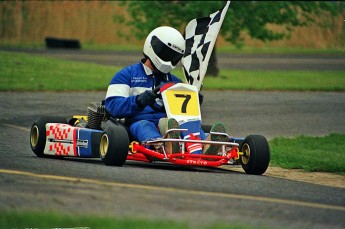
[(21, 219), (25, 72), (322, 154), (275, 80), (12, 219)]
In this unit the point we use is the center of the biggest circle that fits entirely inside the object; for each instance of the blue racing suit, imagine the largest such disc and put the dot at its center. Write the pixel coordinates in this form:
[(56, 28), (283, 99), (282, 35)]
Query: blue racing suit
[(120, 100)]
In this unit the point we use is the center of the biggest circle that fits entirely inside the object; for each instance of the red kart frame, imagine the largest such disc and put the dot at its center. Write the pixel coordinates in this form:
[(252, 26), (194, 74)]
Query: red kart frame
[(228, 155)]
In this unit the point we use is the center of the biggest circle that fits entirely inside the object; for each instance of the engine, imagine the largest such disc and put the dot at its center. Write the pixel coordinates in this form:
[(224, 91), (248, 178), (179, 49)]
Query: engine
[(95, 115)]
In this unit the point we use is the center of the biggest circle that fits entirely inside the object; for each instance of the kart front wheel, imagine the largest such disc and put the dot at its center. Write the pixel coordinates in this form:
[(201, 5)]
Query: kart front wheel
[(256, 154), (38, 133), (114, 145)]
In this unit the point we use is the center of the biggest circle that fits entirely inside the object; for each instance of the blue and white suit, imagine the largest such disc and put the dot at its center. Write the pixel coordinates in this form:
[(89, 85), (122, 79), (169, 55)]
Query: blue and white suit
[(120, 100)]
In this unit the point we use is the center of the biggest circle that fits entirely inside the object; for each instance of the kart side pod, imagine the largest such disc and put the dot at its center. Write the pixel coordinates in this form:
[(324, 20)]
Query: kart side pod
[(52, 136)]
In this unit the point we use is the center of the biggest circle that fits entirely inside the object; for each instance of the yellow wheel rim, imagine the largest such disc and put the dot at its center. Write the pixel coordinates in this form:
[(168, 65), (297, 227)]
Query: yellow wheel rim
[(246, 154), (104, 145), (34, 136)]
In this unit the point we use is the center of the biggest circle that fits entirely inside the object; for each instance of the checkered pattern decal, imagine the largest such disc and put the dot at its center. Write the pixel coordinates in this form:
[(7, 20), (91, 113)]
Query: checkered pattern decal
[(59, 131), (61, 139), (200, 36), (60, 149)]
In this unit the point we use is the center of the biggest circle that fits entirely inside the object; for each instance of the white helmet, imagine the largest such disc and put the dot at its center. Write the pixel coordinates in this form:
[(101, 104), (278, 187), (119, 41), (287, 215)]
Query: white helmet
[(164, 46)]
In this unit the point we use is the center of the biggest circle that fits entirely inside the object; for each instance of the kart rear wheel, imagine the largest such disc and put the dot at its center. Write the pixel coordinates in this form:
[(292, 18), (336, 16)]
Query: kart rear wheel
[(256, 154), (38, 133), (114, 145)]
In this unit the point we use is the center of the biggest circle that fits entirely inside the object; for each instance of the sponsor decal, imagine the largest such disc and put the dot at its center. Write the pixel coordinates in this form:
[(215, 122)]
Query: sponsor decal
[(193, 162), (178, 48), (138, 79), (82, 143)]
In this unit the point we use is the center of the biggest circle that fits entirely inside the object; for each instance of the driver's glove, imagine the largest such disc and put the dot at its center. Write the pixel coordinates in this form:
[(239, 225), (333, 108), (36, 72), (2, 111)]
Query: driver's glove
[(146, 98)]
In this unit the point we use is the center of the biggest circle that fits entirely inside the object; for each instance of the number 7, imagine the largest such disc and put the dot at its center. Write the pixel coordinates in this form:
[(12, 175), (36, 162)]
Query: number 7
[(185, 102)]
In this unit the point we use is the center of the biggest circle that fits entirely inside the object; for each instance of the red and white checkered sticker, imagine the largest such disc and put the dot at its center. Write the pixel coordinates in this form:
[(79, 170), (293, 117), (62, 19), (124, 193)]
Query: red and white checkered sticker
[(58, 131), (60, 139)]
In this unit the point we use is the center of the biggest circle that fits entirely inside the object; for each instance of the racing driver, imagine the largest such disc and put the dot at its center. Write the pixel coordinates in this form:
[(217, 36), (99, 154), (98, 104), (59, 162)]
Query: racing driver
[(132, 93)]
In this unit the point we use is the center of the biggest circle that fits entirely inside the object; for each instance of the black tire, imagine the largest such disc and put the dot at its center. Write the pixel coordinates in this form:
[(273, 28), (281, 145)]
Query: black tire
[(38, 133), (114, 144), (256, 154)]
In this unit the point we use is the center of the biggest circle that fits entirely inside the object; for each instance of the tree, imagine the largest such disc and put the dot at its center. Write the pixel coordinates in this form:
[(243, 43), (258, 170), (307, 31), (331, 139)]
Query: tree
[(251, 17)]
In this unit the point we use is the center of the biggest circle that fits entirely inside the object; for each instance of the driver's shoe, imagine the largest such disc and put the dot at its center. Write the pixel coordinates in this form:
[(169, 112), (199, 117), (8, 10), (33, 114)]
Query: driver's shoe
[(214, 149), (166, 124)]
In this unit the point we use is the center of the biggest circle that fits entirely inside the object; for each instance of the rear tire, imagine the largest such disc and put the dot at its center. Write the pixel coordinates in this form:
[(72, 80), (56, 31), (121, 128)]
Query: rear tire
[(256, 154), (38, 133), (114, 145)]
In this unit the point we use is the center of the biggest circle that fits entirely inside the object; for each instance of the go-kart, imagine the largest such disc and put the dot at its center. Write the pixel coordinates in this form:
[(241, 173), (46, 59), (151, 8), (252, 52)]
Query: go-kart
[(97, 135)]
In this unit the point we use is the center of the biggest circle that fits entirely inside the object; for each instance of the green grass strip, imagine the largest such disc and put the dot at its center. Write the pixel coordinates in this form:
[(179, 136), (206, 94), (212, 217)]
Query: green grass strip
[(30, 219), (278, 80), (16, 219), (321, 154), (25, 72)]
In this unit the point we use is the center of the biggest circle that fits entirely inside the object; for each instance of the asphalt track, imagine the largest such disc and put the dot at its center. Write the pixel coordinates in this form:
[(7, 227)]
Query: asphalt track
[(198, 196)]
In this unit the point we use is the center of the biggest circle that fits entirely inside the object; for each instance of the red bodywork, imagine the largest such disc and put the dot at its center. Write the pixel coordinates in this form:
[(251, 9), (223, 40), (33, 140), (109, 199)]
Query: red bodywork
[(141, 153)]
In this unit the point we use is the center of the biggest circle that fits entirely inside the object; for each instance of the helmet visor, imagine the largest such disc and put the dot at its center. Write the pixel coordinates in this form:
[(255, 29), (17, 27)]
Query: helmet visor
[(164, 52)]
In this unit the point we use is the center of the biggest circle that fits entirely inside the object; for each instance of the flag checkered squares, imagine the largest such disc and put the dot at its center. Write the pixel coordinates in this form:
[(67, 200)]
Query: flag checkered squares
[(200, 36)]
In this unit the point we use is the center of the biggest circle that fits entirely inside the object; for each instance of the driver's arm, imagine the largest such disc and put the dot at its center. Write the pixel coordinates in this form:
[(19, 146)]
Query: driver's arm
[(120, 101)]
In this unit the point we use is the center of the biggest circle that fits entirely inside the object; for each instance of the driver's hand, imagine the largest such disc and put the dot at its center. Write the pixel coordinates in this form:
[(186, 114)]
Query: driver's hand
[(146, 98)]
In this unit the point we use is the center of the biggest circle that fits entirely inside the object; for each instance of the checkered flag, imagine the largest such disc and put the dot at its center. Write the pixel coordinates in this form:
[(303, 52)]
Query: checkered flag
[(200, 36)]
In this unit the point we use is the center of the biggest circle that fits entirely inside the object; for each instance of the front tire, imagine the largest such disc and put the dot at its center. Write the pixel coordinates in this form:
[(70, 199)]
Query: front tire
[(114, 145), (256, 154), (38, 133)]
